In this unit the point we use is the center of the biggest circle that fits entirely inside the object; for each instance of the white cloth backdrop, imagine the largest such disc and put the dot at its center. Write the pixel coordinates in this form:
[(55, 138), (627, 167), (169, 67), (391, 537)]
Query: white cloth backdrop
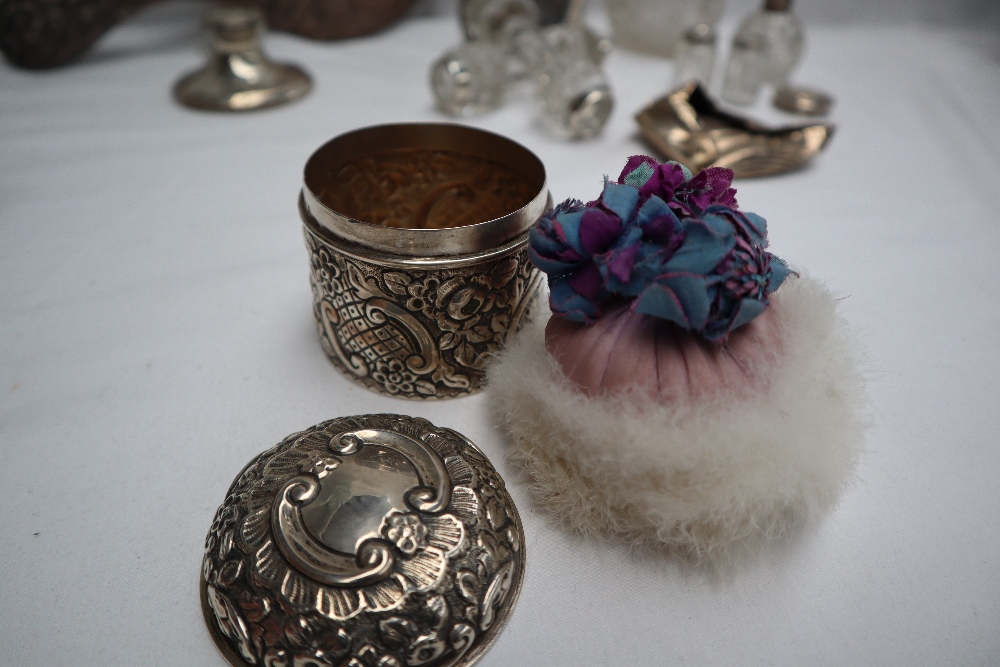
[(155, 334), (953, 12)]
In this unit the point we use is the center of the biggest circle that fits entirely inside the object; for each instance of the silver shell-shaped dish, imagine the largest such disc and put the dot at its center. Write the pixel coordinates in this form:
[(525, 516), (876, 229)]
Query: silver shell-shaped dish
[(688, 127), (370, 541)]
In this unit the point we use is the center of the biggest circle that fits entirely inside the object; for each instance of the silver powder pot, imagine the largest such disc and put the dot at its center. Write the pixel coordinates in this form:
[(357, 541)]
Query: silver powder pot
[(417, 236), (370, 541)]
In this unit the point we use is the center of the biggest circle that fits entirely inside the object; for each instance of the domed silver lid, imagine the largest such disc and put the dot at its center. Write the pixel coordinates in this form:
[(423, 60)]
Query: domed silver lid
[(371, 541)]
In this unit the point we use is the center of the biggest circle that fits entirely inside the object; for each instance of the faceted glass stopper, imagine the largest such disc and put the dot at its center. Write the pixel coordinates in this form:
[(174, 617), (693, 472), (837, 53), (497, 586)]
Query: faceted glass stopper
[(573, 92), (470, 79)]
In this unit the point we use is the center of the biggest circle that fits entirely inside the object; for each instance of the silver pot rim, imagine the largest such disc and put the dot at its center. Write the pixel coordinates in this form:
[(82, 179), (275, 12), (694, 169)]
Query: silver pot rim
[(452, 241)]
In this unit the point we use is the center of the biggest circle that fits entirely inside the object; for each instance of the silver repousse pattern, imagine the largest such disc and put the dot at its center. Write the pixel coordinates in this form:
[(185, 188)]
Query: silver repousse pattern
[(417, 332), (371, 541)]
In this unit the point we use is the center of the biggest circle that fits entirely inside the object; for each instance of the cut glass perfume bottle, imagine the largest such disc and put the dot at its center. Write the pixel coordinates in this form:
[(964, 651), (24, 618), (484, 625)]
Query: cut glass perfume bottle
[(766, 48), (506, 43), (695, 55), (573, 93), (657, 26)]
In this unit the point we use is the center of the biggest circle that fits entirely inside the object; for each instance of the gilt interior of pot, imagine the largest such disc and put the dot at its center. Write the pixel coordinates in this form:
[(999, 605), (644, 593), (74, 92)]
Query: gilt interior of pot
[(423, 188)]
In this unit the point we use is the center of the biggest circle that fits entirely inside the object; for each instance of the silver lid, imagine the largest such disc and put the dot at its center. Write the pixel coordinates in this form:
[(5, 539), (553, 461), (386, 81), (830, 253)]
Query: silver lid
[(371, 541)]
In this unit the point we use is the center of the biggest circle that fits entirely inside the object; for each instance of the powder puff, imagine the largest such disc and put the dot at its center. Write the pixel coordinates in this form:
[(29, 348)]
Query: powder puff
[(679, 398)]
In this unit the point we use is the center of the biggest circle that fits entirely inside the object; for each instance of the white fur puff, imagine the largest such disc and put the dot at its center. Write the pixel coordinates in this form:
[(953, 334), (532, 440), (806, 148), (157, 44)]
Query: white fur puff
[(703, 477)]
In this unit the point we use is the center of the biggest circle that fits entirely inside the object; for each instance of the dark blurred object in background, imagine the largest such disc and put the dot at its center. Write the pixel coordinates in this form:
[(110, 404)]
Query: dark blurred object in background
[(553, 11), (39, 34)]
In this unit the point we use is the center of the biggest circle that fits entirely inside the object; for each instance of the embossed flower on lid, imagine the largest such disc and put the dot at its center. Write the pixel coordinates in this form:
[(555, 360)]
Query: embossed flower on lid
[(406, 531)]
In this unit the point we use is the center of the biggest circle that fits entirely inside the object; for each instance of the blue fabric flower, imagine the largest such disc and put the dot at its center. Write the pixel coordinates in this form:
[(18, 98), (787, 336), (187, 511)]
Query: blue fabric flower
[(673, 243)]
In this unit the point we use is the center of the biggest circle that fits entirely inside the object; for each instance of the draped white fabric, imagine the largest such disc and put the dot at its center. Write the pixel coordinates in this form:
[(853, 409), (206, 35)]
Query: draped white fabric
[(155, 334)]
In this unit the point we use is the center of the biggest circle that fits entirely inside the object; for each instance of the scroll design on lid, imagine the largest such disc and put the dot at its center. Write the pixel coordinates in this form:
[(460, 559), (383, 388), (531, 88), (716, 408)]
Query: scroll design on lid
[(374, 560), (451, 539), (372, 563)]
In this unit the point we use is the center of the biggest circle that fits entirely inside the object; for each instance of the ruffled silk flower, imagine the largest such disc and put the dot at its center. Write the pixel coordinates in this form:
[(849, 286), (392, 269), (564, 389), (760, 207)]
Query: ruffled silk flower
[(670, 244)]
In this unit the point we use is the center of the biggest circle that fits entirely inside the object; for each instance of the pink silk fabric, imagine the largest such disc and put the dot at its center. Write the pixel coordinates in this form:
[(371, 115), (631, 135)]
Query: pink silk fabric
[(627, 350)]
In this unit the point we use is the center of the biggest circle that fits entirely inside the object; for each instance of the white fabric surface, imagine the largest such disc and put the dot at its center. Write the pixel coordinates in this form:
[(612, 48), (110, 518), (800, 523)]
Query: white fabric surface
[(155, 334)]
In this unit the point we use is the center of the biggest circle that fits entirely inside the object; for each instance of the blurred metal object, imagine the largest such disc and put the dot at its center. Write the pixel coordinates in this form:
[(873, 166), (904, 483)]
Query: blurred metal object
[(238, 76), (803, 101), (688, 127), (39, 34)]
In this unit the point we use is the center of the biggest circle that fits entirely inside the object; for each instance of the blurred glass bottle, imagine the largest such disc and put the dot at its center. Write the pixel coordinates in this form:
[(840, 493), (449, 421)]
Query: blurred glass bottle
[(573, 94), (470, 79), (506, 43), (766, 48), (695, 55), (657, 26)]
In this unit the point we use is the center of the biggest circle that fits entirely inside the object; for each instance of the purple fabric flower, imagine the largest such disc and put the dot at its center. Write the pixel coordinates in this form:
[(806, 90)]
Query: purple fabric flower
[(550, 248), (673, 243), (689, 195)]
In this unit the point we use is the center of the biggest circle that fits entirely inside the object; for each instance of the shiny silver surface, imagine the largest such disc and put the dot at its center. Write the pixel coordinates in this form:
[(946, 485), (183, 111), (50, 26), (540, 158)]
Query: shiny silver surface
[(417, 328), (371, 541), (417, 313), (350, 147), (238, 76)]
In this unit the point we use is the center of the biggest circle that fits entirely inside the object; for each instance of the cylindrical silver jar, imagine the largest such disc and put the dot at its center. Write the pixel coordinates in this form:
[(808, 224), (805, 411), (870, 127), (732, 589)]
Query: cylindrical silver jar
[(417, 236)]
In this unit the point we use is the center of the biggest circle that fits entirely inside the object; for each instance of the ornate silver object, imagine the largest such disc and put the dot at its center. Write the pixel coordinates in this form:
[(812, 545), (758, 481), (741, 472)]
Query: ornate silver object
[(237, 76), (688, 127), (371, 541), (413, 310)]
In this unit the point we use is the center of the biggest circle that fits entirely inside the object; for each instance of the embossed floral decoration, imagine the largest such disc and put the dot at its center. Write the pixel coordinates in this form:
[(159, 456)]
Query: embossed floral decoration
[(396, 378), (406, 531), (675, 244), (470, 311), (451, 575)]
